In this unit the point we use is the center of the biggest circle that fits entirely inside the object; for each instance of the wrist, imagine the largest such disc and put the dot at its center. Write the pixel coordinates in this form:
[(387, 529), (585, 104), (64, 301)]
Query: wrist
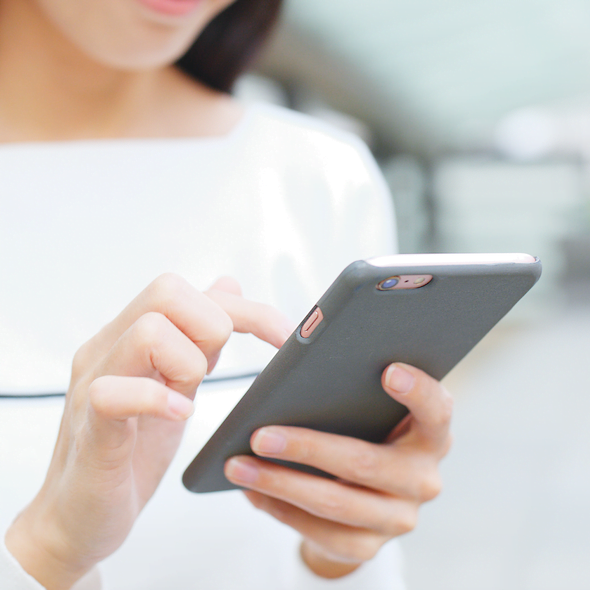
[(38, 552), (323, 565)]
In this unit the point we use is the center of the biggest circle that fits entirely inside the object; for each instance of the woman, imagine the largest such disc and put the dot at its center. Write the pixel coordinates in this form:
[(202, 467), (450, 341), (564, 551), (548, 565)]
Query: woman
[(120, 215)]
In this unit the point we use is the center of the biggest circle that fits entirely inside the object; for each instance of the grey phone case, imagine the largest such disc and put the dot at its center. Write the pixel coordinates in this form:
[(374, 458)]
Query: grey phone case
[(331, 381)]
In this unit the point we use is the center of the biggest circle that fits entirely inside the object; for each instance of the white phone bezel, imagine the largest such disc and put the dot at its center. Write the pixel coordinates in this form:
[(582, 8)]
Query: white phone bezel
[(450, 259)]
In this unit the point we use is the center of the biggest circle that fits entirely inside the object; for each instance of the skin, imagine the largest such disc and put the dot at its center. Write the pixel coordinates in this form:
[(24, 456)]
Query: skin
[(62, 77), (90, 69), (379, 488), (131, 391)]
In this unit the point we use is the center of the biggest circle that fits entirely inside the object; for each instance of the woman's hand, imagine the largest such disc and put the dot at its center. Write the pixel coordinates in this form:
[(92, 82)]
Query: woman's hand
[(379, 489), (131, 392)]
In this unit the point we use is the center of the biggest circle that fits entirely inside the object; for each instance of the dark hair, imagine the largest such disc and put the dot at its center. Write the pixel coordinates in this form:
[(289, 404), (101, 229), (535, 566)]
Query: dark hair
[(229, 42)]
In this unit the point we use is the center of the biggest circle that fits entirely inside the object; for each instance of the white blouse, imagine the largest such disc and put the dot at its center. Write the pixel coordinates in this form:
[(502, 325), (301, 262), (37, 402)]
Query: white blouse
[(282, 203)]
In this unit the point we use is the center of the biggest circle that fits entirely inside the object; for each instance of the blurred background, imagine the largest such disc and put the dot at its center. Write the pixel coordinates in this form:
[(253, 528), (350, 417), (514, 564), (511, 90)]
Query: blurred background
[(479, 116)]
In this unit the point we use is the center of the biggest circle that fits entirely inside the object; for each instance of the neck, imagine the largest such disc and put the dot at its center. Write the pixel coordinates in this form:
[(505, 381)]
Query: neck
[(50, 90)]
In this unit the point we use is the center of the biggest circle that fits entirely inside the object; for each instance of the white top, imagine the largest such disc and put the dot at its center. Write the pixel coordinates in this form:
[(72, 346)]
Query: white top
[(282, 203)]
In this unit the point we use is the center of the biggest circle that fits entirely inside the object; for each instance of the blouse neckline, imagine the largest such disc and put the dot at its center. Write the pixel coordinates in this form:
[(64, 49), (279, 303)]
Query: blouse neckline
[(231, 136)]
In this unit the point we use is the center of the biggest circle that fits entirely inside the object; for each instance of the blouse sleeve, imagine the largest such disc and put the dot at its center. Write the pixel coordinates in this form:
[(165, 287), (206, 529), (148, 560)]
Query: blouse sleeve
[(383, 572), (14, 577)]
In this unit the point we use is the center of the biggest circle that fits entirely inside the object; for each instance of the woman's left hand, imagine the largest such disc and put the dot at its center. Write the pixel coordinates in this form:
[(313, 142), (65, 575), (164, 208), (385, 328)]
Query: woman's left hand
[(379, 489)]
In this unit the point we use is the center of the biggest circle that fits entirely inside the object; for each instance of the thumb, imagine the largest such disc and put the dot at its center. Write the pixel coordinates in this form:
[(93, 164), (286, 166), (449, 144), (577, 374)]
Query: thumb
[(114, 400)]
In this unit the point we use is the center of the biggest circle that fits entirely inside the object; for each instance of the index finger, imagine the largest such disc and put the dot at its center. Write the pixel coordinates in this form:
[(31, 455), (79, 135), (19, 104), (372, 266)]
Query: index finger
[(264, 321), (375, 466), (430, 404), (192, 312)]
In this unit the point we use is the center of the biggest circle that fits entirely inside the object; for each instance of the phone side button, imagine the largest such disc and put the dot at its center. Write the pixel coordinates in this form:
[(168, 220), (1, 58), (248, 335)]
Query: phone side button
[(313, 321)]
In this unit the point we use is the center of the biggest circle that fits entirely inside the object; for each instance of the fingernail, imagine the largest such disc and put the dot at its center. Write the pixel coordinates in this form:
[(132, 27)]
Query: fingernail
[(399, 379), (240, 471), (180, 406), (269, 442)]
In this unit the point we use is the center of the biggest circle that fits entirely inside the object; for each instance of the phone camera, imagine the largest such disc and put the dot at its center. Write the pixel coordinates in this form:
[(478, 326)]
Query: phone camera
[(387, 284)]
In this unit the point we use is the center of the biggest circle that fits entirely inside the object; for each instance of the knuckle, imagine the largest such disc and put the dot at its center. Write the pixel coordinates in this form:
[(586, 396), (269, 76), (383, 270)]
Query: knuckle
[(406, 521), (197, 370), (166, 288), (148, 329), (272, 482), (331, 505), (223, 329), (364, 466), (220, 325), (191, 379), (430, 487), (306, 450), (200, 366)]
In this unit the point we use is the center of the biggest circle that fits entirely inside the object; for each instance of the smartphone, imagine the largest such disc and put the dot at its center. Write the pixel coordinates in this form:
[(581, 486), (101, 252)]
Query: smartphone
[(427, 310)]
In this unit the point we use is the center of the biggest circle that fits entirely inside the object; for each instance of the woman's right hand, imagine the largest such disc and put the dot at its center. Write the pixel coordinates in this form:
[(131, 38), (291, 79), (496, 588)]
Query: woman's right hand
[(131, 391)]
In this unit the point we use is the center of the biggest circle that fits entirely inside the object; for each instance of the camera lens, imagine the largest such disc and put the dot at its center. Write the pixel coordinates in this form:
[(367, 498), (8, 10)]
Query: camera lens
[(388, 283)]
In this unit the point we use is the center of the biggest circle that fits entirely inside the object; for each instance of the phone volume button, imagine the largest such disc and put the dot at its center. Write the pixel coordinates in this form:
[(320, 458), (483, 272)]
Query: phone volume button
[(312, 322)]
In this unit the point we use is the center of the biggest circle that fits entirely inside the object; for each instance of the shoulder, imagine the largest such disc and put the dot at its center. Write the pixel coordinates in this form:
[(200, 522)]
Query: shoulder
[(308, 131), (315, 146), (320, 168)]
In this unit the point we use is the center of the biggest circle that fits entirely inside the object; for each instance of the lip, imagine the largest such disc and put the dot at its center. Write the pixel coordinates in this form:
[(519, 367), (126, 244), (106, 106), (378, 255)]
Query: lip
[(172, 7)]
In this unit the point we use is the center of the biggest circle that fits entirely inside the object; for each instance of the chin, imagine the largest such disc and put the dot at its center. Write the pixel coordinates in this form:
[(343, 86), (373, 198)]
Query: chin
[(149, 59), (125, 34), (151, 52)]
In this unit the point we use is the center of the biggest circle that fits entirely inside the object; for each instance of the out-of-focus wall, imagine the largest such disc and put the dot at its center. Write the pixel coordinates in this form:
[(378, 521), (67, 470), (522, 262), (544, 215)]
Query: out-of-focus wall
[(486, 205)]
